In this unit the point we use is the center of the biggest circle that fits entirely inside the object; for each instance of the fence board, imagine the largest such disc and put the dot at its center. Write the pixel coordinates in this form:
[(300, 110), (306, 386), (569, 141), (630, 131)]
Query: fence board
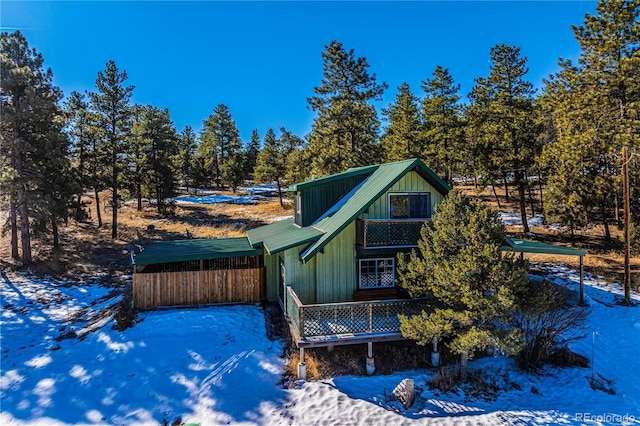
[(153, 290)]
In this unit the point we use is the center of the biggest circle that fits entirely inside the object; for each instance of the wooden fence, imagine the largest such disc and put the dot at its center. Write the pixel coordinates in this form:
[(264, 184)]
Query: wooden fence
[(153, 290)]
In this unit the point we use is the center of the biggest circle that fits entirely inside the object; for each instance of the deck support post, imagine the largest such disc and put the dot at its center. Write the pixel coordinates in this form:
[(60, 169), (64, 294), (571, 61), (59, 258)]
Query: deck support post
[(581, 302), (302, 367), (435, 356), (371, 366)]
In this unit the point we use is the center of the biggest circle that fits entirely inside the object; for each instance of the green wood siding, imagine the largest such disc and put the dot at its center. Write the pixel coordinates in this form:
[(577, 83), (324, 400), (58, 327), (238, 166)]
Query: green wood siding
[(411, 182), (336, 268), (318, 199), (300, 276), (271, 263)]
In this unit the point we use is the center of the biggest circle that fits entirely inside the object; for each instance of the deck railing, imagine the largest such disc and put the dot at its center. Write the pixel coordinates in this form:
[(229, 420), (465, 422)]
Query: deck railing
[(388, 232), (350, 317)]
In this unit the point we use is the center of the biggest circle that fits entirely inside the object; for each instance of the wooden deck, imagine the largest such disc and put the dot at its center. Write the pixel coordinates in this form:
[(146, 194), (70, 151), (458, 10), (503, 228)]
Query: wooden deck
[(347, 323)]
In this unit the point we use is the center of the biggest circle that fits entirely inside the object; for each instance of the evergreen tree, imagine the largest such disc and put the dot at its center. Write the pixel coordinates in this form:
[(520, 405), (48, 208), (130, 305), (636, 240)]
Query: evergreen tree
[(403, 138), (271, 162), (31, 128), (160, 149), (136, 170), (443, 124), (594, 108), (504, 116), (251, 154), (344, 133), (113, 115), (187, 153), (219, 141), (79, 131), (473, 291)]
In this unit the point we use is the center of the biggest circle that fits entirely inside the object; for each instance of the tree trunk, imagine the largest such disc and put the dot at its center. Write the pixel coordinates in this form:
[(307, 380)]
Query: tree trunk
[(540, 187), (95, 190), (139, 189), (23, 211), (523, 205), (13, 215), (506, 186), (279, 192), (607, 232), (496, 195), (531, 202), (464, 360), (56, 235), (114, 193), (572, 231)]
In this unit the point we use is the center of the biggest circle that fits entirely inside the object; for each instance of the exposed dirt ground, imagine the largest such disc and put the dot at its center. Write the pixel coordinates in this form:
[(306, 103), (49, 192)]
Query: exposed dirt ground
[(88, 248)]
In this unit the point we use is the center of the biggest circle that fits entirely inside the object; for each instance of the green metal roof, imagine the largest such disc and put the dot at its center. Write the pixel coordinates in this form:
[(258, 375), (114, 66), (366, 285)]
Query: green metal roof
[(196, 249), (382, 177), (282, 235), (526, 246)]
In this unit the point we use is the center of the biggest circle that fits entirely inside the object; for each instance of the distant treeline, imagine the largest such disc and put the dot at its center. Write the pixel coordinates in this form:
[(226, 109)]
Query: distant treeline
[(567, 138)]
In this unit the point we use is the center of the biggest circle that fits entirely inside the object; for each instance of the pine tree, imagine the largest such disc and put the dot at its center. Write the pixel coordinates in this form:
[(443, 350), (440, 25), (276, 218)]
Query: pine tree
[(160, 149), (344, 133), (31, 126), (187, 153), (594, 108), (79, 131), (219, 141), (443, 124), (403, 138), (271, 162), (504, 118), (251, 154), (473, 291), (113, 115)]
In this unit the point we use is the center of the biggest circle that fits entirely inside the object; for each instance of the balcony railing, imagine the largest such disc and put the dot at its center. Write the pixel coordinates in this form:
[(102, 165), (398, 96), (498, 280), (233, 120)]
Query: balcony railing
[(388, 232), (349, 318)]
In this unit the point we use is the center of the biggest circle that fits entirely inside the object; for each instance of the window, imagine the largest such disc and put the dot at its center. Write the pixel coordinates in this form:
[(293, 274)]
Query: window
[(411, 205), (377, 273)]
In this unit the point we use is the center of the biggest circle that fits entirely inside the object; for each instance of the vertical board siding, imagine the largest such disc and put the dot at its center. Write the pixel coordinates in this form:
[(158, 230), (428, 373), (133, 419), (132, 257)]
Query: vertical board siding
[(300, 276), (272, 266), (198, 287), (411, 182), (336, 268), (318, 199)]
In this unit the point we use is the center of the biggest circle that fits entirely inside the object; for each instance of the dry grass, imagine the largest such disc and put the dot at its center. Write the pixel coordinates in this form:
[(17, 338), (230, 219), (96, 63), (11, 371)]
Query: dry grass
[(604, 258), (87, 248)]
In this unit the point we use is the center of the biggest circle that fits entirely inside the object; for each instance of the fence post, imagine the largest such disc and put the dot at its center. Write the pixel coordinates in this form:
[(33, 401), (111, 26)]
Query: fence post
[(301, 329), (370, 309)]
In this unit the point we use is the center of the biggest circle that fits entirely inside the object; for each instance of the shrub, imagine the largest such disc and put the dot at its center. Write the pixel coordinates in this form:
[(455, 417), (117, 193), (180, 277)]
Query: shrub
[(548, 323)]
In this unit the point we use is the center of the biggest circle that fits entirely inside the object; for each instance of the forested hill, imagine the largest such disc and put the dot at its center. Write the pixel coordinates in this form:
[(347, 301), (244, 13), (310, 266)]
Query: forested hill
[(568, 141)]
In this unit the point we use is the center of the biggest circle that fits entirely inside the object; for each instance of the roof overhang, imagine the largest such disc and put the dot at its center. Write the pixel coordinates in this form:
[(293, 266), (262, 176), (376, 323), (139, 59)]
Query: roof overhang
[(526, 246), (195, 249)]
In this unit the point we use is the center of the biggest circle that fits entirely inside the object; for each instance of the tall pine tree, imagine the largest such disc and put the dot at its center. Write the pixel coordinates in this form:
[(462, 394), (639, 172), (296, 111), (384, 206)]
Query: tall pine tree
[(31, 128), (344, 133), (403, 138), (443, 124), (219, 142), (504, 118), (111, 104), (594, 106)]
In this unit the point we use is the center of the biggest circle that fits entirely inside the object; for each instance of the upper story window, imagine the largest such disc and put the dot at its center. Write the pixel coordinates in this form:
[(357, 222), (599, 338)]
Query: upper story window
[(410, 205)]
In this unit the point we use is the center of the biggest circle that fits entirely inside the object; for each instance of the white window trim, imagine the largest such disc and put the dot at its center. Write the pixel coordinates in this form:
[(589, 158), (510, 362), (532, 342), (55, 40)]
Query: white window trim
[(368, 259)]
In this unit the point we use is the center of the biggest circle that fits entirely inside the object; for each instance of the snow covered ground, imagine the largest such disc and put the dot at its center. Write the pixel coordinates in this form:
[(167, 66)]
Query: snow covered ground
[(216, 365)]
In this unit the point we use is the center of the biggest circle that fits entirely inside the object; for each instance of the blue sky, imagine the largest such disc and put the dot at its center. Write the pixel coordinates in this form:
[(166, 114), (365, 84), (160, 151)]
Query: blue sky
[(263, 59)]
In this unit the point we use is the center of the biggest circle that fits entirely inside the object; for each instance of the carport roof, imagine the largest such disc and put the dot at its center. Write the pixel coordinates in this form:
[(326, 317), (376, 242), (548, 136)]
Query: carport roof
[(196, 249), (527, 246)]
